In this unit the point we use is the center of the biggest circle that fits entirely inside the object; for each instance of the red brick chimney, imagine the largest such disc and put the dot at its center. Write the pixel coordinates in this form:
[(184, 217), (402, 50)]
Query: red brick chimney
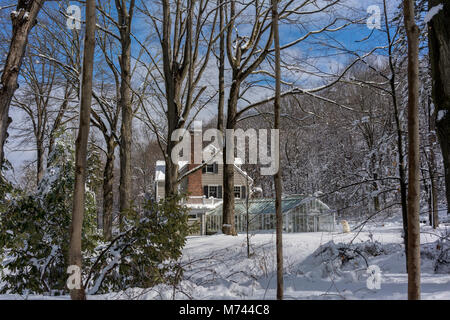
[(194, 187)]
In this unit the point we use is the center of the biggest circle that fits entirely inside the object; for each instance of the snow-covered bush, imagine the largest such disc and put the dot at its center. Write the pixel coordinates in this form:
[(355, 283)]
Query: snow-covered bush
[(438, 253), (35, 230), (145, 253), (341, 260)]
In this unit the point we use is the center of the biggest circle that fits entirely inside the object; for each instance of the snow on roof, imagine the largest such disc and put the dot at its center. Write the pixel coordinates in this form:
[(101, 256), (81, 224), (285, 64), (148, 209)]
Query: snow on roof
[(160, 169), (267, 205), (208, 206), (210, 152)]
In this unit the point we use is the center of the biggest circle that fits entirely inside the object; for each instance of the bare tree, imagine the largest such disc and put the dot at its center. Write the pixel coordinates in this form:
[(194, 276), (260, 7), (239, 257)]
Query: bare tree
[(400, 152), (412, 32), (108, 127), (278, 175), (439, 46), (245, 55), (23, 20), (185, 47), (44, 98), (106, 119), (429, 155), (243, 58), (75, 257), (125, 17)]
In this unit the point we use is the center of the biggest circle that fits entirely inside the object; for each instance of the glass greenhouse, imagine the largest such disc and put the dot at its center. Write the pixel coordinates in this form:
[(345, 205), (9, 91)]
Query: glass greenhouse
[(300, 214)]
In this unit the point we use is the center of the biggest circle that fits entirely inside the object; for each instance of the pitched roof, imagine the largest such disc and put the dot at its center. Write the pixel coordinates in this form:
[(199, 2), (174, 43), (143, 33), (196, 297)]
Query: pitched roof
[(210, 152), (160, 169)]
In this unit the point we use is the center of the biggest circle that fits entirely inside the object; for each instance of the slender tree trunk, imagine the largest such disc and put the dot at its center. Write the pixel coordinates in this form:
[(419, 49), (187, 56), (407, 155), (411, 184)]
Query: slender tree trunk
[(402, 173), (221, 68), (400, 154), (439, 47), (40, 160), (434, 203), (376, 199), (412, 32), (59, 118), (430, 206), (434, 199), (247, 217), (75, 257), (277, 177), (21, 27), (108, 194), (401, 167), (432, 165), (124, 20)]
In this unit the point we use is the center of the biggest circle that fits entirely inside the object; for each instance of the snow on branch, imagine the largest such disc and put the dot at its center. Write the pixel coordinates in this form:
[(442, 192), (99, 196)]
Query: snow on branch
[(432, 12)]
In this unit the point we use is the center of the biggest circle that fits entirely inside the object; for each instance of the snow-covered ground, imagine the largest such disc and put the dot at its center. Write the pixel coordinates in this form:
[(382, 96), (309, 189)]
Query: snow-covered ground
[(317, 266), (217, 266)]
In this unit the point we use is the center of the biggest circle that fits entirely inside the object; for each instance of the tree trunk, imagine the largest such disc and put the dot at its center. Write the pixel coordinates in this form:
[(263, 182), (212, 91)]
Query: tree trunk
[(401, 168), (124, 21), (40, 160), (247, 217), (174, 73), (400, 154), (228, 223), (21, 27), (432, 165), (171, 175), (439, 47), (75, 257), (277, 177), (402, 174), (59, 118), (221, 69), (108, 194), (412, 32), (239, 74), (376, 199)]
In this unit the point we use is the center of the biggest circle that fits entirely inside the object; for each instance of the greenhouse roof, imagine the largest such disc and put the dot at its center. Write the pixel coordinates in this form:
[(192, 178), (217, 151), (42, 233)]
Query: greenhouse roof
[(267, 206)]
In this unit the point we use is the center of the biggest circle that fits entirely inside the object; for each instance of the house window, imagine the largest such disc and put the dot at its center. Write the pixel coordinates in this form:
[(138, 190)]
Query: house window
[(210, 168), (237, 192), (212, 191)]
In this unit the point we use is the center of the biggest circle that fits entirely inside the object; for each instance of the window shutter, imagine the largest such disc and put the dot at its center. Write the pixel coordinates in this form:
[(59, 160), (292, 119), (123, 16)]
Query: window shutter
[(219, 192), (243, 194), (216, 167), (204, 167), (205, 191)]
